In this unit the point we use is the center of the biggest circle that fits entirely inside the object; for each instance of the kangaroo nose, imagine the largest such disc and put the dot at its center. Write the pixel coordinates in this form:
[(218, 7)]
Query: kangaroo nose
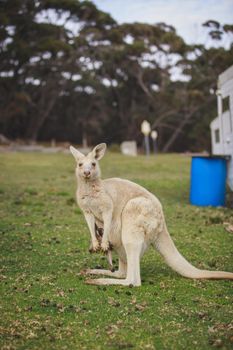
[(87, 173)]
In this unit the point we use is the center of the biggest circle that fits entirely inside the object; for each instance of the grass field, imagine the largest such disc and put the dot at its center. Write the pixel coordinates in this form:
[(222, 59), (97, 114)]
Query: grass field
[(45, 303)]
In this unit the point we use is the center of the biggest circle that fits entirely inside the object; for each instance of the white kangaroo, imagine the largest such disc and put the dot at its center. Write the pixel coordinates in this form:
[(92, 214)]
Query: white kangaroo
[(132, 219)]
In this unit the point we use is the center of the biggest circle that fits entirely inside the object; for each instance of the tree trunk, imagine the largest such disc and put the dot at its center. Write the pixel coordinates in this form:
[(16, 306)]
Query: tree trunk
[(182, 124), (44, 107), (176, 133), (38, 121)]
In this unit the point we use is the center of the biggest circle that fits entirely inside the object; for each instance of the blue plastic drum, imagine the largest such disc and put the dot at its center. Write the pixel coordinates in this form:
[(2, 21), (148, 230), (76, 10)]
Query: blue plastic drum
[(208, 181)]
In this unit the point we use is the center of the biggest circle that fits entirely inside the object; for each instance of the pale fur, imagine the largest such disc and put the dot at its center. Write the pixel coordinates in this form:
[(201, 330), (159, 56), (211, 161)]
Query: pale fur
[(132, 219)]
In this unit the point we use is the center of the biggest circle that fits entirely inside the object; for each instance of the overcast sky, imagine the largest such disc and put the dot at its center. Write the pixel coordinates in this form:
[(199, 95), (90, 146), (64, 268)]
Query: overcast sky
[(185, 15)]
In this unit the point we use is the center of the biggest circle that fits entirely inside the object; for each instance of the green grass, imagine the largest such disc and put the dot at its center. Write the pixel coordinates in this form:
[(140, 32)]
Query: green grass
[(44, 244)]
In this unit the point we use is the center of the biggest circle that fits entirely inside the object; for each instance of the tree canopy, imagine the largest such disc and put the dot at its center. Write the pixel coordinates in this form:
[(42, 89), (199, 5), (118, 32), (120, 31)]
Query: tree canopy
[(69, 71)]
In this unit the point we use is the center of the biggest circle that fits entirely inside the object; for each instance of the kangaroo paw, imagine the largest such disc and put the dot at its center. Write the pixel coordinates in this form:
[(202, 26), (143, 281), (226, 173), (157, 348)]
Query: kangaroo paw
[(94, 247), (104, 246)]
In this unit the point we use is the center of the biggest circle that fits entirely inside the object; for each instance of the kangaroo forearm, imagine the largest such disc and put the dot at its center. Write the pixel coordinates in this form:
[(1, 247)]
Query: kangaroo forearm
[(90, 219)]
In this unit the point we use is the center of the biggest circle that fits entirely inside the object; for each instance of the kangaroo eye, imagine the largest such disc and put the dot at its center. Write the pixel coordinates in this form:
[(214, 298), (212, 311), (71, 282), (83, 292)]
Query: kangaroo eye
[(80, 164), (93, 164)]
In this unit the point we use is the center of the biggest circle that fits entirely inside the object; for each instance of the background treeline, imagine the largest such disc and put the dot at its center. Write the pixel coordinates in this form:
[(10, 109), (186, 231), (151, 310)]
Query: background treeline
[(69, 71)]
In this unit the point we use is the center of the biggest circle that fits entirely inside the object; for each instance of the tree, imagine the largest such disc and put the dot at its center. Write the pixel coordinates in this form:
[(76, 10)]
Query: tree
[(69, 71)]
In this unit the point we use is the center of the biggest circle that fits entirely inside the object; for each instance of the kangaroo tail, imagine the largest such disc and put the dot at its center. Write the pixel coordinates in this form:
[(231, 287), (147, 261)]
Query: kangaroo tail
[(177, 262)]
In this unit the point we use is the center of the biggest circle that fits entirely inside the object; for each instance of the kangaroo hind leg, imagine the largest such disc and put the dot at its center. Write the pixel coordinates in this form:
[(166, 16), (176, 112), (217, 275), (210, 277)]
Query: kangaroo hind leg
[(133, 253), (120, 273)]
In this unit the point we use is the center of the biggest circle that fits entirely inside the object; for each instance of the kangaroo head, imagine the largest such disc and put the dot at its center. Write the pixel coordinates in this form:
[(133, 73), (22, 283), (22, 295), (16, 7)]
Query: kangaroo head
[(88, 166)]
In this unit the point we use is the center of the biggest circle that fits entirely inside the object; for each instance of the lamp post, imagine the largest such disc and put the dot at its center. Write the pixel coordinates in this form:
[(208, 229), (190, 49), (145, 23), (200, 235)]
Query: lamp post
[(145, 129), (154, 136)]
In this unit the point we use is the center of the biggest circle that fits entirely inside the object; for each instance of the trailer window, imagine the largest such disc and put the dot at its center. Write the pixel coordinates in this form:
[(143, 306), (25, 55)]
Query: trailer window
[(226, 104), (217, 135)]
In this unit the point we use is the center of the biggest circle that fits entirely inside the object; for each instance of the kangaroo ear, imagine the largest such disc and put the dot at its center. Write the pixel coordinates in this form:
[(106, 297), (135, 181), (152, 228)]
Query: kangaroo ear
[(99, 150), (77, 155)]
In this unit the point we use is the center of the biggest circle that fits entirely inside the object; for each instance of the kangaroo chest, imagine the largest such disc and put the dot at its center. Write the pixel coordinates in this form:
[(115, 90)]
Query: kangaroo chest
[(93, 200), (91, 205)]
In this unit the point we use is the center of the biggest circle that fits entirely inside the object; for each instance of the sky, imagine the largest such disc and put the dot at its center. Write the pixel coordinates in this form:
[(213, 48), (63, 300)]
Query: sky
[(186, 16)]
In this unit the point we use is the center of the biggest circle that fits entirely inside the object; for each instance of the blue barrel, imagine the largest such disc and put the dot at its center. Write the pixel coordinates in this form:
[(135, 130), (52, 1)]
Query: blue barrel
[(208, 181)]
